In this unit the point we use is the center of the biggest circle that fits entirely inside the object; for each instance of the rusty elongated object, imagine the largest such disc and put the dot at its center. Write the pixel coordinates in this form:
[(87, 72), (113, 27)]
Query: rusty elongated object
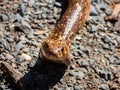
[(56, 47)]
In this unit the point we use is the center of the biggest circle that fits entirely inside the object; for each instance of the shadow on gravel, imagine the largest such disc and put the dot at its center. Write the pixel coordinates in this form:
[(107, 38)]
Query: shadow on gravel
[(43, 76)]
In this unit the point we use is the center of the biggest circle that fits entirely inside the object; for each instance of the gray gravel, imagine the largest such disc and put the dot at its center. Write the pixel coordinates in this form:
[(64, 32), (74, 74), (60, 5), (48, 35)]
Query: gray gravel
[(95, 50)]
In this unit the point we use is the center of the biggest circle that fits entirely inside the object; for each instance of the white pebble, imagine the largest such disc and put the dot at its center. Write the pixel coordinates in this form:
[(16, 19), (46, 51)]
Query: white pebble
[(26, 57)]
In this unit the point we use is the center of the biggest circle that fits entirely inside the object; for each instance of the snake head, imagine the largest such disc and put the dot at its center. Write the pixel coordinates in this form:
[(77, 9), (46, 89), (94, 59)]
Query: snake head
[(56, 51)]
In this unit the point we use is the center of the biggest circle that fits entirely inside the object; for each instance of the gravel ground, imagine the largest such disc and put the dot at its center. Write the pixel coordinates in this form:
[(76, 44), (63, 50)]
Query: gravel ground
[(95, 50)]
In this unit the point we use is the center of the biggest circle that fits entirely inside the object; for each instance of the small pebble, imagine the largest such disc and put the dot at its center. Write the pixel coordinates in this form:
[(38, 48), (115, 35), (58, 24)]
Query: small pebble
[(107, 39), (118, 62), (72, 66), (20, 58), (18, 47), (25, 1), (26, 24), (118, 39), (82, 48), (22, 9), (60, 89), (93, 11), (84, 64), (106, 75), (30, 36), (4, 17), (9, 57), (3, 87), (110, 76), (32, 64), (10, 39), (77, 87), (73, 73), (18, 17), (81, 74), (106, 46), (112, 59), (94, 28), (104, 87), (31, 3), (26, 57)]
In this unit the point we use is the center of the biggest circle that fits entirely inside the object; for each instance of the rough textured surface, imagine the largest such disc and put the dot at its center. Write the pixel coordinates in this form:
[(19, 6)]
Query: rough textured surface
[(56, 47), (95, 50)]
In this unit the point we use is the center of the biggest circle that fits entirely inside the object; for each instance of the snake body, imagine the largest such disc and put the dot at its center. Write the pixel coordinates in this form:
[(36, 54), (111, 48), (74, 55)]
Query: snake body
[(56, 47)]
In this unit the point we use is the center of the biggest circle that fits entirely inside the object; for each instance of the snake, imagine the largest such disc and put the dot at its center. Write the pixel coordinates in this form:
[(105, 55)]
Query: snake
[(56, 47)]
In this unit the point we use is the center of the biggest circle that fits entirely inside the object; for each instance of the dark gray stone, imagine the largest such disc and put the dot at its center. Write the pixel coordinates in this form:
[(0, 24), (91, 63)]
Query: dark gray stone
[(110, 76), (93, 11), (2, 57), (25, 1), (22, 9), (18, 47), (77, 87), (92, 61), (112, 59), (32, 64), (108, 11), (57, 4), (4, 17), (94, 28), (31, 3), (81, 74), (2, 41), (20, 58), (78, 74), (84, 64), (107, 39), (1, 47), (118, 62), (2, 87), (9, 57), (10, 39), (18, 17), (26, 50), (49, 1), (101, 51), (112, 47), (7, 46), (102, 6), (81, 47), (25, 25), (103, 74), (106, 75), (111, 53), (30, 36), (106, 46), (41, 25), (14, 54), (60, 89), (118, 39), (104, 87), (73, 73)]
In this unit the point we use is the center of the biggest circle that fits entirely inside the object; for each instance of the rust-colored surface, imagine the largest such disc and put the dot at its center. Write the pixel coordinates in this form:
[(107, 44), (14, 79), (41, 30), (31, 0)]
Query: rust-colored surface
[(56, 47), (115, 13)]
